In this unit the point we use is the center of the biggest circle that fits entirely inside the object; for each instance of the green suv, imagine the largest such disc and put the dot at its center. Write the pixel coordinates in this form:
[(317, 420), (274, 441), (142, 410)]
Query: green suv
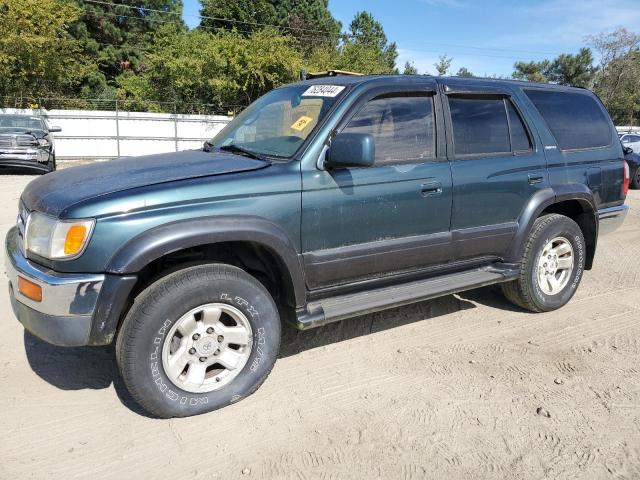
[(323, 200)]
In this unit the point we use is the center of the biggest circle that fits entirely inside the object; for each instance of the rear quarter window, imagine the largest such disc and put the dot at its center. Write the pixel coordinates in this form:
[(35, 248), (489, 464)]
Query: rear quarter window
[(575, 119)]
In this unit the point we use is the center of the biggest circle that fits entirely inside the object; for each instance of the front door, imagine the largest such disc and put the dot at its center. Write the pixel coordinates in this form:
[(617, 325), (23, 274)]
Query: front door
[(363, 223)]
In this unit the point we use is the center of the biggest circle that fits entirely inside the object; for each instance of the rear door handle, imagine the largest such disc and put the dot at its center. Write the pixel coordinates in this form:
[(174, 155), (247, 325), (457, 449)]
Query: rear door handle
[(430, 189), (535, 178)]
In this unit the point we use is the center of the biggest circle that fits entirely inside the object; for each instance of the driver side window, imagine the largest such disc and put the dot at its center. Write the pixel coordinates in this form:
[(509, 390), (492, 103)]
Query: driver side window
[(402, 128)]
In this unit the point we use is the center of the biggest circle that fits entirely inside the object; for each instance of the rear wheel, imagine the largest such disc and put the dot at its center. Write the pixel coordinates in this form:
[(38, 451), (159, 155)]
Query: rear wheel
[(635, 179), (552, 265), (197, 340)]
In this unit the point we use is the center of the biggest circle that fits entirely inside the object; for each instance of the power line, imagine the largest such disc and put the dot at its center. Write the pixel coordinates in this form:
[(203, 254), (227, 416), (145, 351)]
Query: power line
[(325, 33), (220, 19)]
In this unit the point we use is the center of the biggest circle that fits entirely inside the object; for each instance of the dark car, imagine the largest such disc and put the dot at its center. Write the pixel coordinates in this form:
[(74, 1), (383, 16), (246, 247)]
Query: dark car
[(26, 143), (323, 200), (633, 161)]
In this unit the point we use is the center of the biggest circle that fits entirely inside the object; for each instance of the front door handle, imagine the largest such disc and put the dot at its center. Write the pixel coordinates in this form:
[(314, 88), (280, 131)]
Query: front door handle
[(430, 189), (535, 178)]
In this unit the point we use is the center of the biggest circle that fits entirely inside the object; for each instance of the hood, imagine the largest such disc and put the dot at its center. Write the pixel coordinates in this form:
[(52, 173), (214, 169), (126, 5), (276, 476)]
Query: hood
[(54, 192), (23, 130)]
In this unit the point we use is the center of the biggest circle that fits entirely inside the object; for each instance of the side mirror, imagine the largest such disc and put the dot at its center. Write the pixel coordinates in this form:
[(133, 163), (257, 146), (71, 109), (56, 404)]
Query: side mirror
[(207, 146), (55, 129), (627, 150), (351, 150)]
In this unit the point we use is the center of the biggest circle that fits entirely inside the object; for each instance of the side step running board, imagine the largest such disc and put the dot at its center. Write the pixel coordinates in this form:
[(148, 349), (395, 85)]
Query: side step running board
[(334, 309)]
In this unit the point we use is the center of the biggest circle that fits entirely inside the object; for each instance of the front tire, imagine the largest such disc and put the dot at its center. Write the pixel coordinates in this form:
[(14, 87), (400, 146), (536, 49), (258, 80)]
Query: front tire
[(197, 340), (552, 265)]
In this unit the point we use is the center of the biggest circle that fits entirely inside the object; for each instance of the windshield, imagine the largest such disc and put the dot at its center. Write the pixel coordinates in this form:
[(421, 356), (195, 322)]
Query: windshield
[(280, 121), (21, 121)]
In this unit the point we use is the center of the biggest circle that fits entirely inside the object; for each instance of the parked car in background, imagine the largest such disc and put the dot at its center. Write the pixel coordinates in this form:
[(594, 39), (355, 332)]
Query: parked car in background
[(323, 200), (26, 143), (631, 140), (633, 160)]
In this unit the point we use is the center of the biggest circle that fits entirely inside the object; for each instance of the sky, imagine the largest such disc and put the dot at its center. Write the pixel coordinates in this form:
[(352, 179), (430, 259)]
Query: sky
[(485, 36)]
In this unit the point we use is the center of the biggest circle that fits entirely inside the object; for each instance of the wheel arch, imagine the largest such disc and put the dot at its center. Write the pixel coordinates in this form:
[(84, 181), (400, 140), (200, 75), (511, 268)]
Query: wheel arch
[(571, 200), (212, 238)]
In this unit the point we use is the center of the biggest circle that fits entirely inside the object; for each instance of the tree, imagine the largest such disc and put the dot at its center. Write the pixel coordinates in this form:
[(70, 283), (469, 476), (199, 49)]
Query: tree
[(116, 37), (618, 78), (366, 31), (410, 69), (575, 70), (309, 22), (244, 16), (532, 71), (38, 57), (464, 72), (443, 64), (225, 69)]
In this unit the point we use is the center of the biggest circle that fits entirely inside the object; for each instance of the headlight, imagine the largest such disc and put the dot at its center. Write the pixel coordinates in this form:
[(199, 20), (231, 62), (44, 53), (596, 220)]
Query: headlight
[(56, 239), (43, 142)]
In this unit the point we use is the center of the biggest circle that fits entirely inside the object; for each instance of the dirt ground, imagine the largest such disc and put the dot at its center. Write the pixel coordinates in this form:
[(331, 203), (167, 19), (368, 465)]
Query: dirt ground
[(448, 388)]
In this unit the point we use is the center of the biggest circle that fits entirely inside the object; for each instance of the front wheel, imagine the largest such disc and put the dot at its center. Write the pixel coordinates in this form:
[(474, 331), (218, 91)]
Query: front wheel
[(552, 265), (197, 340)]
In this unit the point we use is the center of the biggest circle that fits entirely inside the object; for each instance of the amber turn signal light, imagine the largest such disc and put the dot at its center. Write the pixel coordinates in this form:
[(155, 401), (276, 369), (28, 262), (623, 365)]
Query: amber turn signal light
[(74, 239), (29, 289)]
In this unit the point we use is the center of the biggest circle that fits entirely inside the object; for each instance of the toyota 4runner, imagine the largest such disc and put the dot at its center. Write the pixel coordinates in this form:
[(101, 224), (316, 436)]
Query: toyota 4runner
[(323, 200)]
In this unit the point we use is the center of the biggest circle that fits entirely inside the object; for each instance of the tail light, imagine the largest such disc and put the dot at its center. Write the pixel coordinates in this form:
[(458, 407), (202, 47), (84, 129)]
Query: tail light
[(625, 181)]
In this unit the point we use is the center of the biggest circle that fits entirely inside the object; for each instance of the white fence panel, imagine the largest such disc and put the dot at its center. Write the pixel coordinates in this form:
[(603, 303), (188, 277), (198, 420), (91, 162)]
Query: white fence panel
[(95, 134)]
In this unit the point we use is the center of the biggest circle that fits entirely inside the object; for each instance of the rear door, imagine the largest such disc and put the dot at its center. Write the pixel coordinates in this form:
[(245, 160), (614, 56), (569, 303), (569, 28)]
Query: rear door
[(392, 217), (496, 166)]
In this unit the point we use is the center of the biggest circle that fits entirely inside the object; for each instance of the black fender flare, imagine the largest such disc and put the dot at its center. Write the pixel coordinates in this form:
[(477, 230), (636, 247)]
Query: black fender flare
[(543, 199), (171, 237)]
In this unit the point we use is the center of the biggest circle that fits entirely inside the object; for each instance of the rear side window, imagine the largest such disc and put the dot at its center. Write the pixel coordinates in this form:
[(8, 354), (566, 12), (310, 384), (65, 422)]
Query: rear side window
[(402, 128), (575, 119), (519, 137), (484, 126)]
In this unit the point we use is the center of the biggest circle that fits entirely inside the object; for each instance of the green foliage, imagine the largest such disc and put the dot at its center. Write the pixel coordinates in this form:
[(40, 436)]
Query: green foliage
[(117, 37), (409, 69), (575, 70), (532, 71), (464, 72), (367, 34), (37, 55), (244, 16), (443, 64), (618, 77), (224, 69)]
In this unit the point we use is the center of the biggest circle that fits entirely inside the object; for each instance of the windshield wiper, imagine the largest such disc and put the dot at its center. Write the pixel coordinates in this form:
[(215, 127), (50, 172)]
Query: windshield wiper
[(242, 151)]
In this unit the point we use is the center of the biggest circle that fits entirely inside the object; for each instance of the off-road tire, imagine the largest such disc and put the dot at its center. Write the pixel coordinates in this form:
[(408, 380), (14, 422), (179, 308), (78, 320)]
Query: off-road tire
[(160, 305), (524, 291)]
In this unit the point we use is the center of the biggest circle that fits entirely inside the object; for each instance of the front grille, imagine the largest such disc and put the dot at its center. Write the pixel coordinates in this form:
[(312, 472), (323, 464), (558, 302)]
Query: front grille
[(17, 141)]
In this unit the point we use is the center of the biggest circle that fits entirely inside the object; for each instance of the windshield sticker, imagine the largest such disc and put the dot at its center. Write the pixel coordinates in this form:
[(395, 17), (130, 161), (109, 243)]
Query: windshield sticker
[(301, 123), (322, 91)]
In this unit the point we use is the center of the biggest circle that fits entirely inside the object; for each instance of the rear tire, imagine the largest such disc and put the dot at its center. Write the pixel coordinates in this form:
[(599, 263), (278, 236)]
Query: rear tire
[(551, 267), (152, 341), (635, 180)]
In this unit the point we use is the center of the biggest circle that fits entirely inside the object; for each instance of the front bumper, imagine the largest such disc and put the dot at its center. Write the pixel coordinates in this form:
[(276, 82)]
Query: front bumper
[(612, 218), (35, 159), (65, 314)]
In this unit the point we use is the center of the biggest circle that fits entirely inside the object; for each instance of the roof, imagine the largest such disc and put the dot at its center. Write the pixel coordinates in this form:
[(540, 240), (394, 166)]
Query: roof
[(407, 79)]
